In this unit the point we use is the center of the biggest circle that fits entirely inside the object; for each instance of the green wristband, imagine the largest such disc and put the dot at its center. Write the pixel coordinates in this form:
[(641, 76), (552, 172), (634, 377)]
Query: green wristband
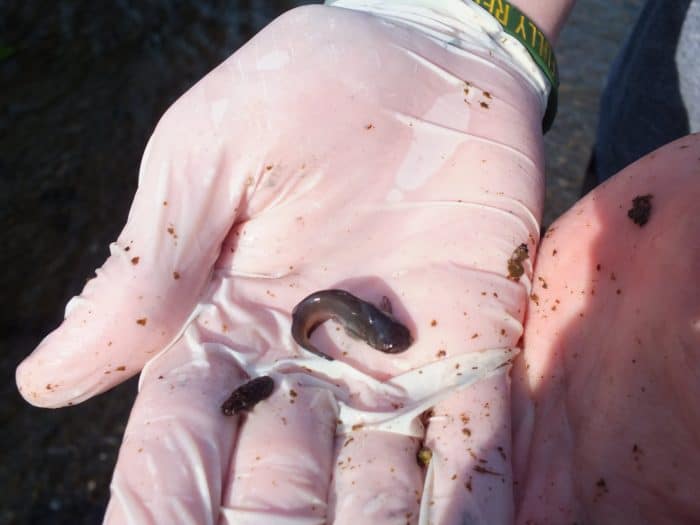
[(520, 27)]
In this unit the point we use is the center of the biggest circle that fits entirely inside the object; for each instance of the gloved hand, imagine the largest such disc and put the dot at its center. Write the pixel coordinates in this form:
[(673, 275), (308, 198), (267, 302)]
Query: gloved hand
[(606, 419), (395, 152)]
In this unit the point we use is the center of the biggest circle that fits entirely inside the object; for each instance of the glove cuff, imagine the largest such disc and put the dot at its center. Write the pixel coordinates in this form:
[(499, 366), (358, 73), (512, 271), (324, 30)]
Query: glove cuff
[(524, 30), (477, 26)]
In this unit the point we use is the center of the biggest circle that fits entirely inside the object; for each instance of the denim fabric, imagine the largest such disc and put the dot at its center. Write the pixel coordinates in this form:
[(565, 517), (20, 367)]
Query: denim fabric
[(652, 94)]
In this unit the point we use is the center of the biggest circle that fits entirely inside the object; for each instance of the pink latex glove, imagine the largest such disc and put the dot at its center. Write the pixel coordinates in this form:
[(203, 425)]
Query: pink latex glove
[(337, 149), (605, 397)]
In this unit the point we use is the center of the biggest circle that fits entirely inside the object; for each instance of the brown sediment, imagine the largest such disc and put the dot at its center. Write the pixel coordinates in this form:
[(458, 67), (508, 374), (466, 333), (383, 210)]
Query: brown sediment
[(640, 210), (424, 456), (515, 263)]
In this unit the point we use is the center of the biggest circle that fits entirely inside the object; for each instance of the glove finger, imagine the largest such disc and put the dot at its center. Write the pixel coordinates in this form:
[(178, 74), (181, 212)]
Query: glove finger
[(376, 478), (282, 464), (470, 476), (177, 444), (188, 196)]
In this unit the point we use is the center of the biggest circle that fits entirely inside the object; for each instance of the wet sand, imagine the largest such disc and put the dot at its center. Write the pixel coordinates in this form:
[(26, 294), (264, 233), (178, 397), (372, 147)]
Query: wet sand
[(83, 87)]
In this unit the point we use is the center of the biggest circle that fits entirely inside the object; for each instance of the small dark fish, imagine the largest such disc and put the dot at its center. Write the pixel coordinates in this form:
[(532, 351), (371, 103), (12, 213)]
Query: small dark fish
[(359, 318), (249, 394)]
